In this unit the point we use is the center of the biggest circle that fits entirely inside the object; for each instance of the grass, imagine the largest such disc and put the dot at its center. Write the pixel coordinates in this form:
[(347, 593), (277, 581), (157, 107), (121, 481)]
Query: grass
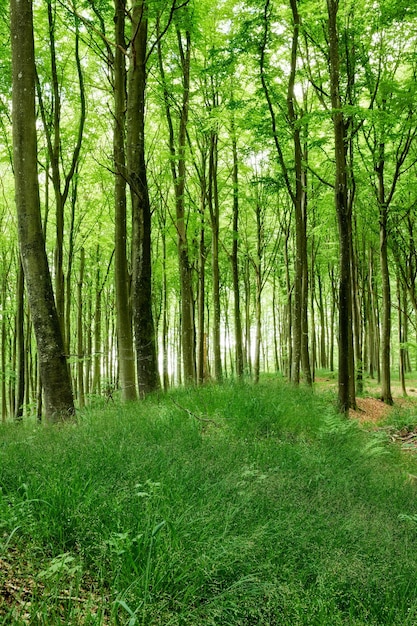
[(275, 512)]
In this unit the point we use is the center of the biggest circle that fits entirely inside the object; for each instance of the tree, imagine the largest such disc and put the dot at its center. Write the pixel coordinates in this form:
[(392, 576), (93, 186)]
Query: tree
[(177, 147), (143, 323), (123, 310), (59, 403), (61, 179), (344, 216), (296, 188)]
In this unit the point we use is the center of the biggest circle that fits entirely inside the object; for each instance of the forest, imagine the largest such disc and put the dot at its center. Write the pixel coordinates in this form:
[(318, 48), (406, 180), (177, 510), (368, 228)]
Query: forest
[(205, 191)]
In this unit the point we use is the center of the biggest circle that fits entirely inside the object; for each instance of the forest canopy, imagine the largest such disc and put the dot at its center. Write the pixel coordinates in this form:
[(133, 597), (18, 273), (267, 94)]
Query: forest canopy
[(219, 189)]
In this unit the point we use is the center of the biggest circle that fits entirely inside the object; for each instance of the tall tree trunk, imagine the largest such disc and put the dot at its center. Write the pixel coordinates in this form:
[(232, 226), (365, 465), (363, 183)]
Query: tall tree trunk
[(178, 171), (298, 193), (213, 203), (54, 144), (126, 359), (235, 256), (344, 218), (56, 383), (143, 322), (201, 360)]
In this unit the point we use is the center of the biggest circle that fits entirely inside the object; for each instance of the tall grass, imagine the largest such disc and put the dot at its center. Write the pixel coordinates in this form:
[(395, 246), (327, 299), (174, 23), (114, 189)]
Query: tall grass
[(230, 505)]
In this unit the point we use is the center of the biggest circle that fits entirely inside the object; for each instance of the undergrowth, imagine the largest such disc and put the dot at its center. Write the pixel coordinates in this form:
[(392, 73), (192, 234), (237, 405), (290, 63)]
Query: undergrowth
[(230, 505)]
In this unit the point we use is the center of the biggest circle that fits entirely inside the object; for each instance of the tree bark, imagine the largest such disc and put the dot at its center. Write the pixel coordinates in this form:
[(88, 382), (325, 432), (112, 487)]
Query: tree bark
[(21, 379), (59, 404), (143, 322), (235, 257), (80, 333), (213, 204), (344, 218), (298, 194), (125, 351), (55, 153), (178, 171)]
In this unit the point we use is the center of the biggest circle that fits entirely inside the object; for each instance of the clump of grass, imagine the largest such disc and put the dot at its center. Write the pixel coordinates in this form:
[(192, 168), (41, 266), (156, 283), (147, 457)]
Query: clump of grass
[(235, 505)]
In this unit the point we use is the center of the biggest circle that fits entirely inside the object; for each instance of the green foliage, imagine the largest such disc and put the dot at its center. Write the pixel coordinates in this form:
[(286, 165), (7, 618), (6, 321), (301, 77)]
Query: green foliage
[(221, 505)]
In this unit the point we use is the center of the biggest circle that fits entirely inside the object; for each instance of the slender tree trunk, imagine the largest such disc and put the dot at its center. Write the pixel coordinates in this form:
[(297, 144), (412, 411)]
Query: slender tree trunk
[(323, 356), (258, 295), (59, 402), (80, 333), (386, 395), (143, 322), (401, 318), (275, 324), (213, 203), (54, 143), (3, 350), (21, 379), (89, 343), (165, 323), (234, 258), (289, 320), (344, 218), (178, 171), (202, 373), (248, 338), (96, 325), (298, 193), (126, 361)]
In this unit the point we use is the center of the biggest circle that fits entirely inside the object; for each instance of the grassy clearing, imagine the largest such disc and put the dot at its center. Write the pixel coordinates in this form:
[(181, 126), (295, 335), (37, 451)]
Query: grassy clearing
[(278, 513)]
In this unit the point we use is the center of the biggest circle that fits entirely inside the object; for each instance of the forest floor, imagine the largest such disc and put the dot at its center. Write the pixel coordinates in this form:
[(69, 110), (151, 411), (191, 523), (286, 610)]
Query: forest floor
[(373, 414), (228, 505)]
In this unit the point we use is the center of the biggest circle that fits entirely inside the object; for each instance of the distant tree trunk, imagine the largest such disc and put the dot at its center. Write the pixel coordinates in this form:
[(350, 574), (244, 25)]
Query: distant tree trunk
[(323, 355), (88, 350), (213, 203), (143, 322), (178, 171), (258, 295), (248, 294), (68, 285), (165, 316), (357, 323), (127, 374), (275, 324), (298, 194), (21, 379), (54, 142), (386, 394), (402, 316), (202, 255), (344, 219), (59, 404), (80, 333), (96, 326), (3, 350), (288, 322), (234, 258)]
